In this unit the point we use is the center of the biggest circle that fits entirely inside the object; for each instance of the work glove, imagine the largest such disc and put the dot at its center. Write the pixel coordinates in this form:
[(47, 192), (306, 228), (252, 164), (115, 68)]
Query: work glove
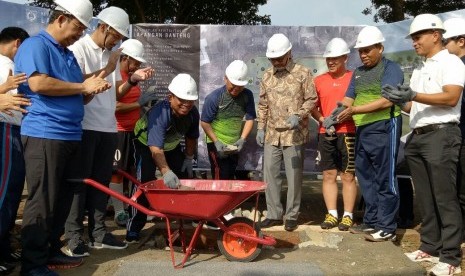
[(337, 110), (171, 180), (220, 147), (146, 98), (329, 121), (293, 121), (331, 130), (239, 144), (260, 137), (399, 95), (187, 166)]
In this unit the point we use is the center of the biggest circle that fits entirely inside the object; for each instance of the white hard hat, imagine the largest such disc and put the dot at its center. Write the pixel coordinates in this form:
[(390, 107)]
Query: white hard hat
[(184, 87), (336, 47), (369, 35), (133, 48), (454, 27), (236, 72), (81, 9), (425, 21), (116, 18), (278, 46)]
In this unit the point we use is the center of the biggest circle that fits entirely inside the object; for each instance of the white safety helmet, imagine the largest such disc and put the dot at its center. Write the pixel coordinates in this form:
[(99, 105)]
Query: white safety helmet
[(336, 47), (81, 9), (278, 46), (369, 35), (184, 87), (133, 48), (116, 18), (236, 72), (425, 21), (454, 27)]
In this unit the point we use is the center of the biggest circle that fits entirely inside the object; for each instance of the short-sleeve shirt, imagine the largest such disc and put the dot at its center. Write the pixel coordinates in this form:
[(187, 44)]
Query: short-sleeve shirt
[(430, 78), (225, 113), (6, 64), (99, 113), (166, 131), (331, 90), (365, 87), (125, 121), (50, 117)]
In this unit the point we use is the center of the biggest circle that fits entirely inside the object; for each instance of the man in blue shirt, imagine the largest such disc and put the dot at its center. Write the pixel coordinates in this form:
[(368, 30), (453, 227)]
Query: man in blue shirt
[(51, 132), (158, 143)]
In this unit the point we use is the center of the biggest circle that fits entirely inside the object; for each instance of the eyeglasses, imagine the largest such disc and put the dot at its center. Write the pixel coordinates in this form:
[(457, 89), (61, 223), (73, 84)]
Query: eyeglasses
[(79, 26), (115, 34)]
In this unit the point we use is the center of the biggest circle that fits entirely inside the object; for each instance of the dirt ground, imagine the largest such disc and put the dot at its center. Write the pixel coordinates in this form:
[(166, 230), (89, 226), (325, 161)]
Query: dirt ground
[(312, 213)]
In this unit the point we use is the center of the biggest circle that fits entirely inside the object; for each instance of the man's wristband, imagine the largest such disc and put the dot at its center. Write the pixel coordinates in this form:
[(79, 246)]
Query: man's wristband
[(132, 83)]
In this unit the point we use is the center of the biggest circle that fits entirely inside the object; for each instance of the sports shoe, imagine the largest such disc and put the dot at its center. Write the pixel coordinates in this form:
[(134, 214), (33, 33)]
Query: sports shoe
[(361, 229), (6, 268), (445, 269), (421, 256), (345, 223), (121, 218), (77, 248), (61, 261), (40, 271), (380, 236), (109, 241), (12, 257), (330, 222), (132, 237)]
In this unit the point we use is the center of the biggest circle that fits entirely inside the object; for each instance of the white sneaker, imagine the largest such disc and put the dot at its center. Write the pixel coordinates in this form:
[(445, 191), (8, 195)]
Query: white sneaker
[(228, 216), (445, 269), (420, 256), (380, 236)]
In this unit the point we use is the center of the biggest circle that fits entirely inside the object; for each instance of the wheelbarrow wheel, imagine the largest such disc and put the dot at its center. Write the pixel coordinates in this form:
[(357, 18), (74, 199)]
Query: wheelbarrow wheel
[(239, 249)]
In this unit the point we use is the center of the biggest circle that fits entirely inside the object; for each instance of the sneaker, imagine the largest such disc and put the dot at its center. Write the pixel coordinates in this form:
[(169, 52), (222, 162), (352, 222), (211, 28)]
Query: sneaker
[(77, 248), (61, 261), (345, 223), (421, 256), (6, 268), (380, 236), (109, 241), (12, 257), (330, 222), (361, 229), (445, 269), (121, 218), (228, 216), (132, 237)]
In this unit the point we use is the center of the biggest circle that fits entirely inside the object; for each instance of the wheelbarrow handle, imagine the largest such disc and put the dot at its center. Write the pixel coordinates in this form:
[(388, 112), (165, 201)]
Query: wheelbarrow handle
[(128, 176)]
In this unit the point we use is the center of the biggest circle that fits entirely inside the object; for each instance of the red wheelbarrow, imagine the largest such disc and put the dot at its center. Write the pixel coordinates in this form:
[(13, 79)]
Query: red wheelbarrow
[(239, 239)]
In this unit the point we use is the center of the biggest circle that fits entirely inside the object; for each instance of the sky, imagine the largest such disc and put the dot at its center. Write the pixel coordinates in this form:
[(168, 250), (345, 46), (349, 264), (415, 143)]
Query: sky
[(311, 12)]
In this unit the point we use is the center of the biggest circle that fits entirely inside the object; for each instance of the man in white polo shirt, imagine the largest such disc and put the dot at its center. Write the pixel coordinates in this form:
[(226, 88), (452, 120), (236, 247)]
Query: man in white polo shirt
[(432, 150)]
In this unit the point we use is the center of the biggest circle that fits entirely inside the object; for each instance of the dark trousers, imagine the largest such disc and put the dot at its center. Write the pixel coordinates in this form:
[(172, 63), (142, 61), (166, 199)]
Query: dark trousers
[(461, 183), (49, 198), (433, 158), (145, 171), (222, 168), (95, 161), (376, 149), (12, 174)]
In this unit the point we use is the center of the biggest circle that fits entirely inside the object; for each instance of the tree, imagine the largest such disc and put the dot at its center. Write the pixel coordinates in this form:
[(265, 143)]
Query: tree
[(238, 12), (396, 10)]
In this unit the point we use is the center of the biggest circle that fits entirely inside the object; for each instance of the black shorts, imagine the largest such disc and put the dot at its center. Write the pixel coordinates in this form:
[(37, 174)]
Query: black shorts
[(124, 154), (337, 152)]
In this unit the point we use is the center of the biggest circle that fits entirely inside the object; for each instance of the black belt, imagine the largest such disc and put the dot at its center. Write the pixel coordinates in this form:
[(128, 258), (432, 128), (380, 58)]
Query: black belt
[(432, 127)]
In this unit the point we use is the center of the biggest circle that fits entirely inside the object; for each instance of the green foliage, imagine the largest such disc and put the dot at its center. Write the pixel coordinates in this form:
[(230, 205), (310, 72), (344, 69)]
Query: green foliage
[(237, 12), (396, 10)]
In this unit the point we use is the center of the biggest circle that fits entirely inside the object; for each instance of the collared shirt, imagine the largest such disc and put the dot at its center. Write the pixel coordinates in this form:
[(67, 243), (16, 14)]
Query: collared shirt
[(225, 113), (6, 64), (125, 121), (50, 117), (282, 94), (100, 111), (430, 78)]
